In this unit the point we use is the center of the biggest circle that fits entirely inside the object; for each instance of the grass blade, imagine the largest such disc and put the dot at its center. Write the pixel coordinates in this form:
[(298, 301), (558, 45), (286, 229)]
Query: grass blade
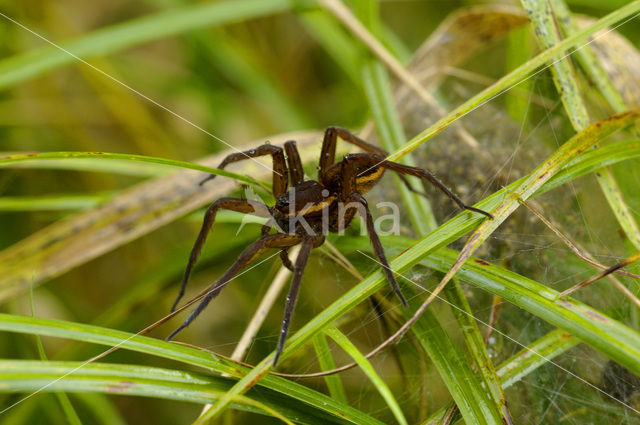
[(111, 39), (368, 370), (178, 352), (516, 76)]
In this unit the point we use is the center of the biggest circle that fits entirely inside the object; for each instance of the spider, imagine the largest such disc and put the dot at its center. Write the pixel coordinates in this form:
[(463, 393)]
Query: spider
[(307, 212)]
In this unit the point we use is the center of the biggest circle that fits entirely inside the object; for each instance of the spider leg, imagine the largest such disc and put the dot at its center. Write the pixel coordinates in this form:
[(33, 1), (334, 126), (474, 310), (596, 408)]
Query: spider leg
[(329, 145), (277, 240), (377, 245), (424, 174), (296, 173), (280, 175), (292, 297), (285, 259), (350, 165), (330, 140), (233, 204)]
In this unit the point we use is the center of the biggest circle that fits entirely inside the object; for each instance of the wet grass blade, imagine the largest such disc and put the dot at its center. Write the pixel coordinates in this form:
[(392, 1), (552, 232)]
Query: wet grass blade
[(522, 363), (476, 347)]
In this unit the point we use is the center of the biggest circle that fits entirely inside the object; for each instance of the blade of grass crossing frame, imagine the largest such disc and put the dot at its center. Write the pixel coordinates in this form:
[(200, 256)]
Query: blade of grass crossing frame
[(547, 35), (376, 84), (188, 355), (577, 144), (455, 370), (12, 159), (477, 349), (587, 58), (594, 160), (368, 370), (377, 88), (63, 399), (50, 203), (516, 76), (522, 363), (29, 376), (544, 21), (334, 382)]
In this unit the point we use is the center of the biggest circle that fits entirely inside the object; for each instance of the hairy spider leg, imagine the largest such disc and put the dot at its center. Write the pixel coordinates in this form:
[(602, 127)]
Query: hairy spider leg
[(284, 256), (296, 173), (277, 240), (330, 140), (426, 175), (280, 174), (301, 262), (327, 158), (349, 184), (233, 204)]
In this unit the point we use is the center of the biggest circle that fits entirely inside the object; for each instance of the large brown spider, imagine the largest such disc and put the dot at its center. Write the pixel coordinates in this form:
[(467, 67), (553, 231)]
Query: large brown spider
[(308, 211)]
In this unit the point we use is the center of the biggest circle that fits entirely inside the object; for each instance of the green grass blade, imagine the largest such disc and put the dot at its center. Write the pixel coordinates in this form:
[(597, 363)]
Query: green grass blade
[(30, 376), (587, 58), (125, 168), (121, 36), (544, 21), (12, 159), (589, 325), (334, 383), (63, 399), (475, 343), (516, 76), (463, 385), (594, 160), (177, 352), (389, 128), (522, 363), (50, 203), (368, 370)]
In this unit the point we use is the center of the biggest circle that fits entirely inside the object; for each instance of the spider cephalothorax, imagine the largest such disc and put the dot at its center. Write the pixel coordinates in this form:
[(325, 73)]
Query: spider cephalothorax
[(308, 211)]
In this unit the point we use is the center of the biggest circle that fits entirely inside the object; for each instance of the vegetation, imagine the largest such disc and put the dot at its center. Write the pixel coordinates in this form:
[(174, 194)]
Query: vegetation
[(112, 113)]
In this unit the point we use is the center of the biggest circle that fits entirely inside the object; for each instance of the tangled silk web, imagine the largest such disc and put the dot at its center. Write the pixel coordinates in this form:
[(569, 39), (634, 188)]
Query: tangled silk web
[(581, 385)]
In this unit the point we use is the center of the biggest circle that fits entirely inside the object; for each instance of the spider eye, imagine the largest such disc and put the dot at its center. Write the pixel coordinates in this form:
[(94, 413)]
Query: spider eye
[(282, 203)]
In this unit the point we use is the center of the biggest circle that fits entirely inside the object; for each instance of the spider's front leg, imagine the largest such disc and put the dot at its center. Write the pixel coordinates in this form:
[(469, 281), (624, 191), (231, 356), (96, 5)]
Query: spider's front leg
[(350, 165), (280, 173), (426, 175), (233, 204)]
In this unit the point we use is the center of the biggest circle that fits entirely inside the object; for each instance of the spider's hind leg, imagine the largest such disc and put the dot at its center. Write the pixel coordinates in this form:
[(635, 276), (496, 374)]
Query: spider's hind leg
[(233, 204), (277, 240)]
